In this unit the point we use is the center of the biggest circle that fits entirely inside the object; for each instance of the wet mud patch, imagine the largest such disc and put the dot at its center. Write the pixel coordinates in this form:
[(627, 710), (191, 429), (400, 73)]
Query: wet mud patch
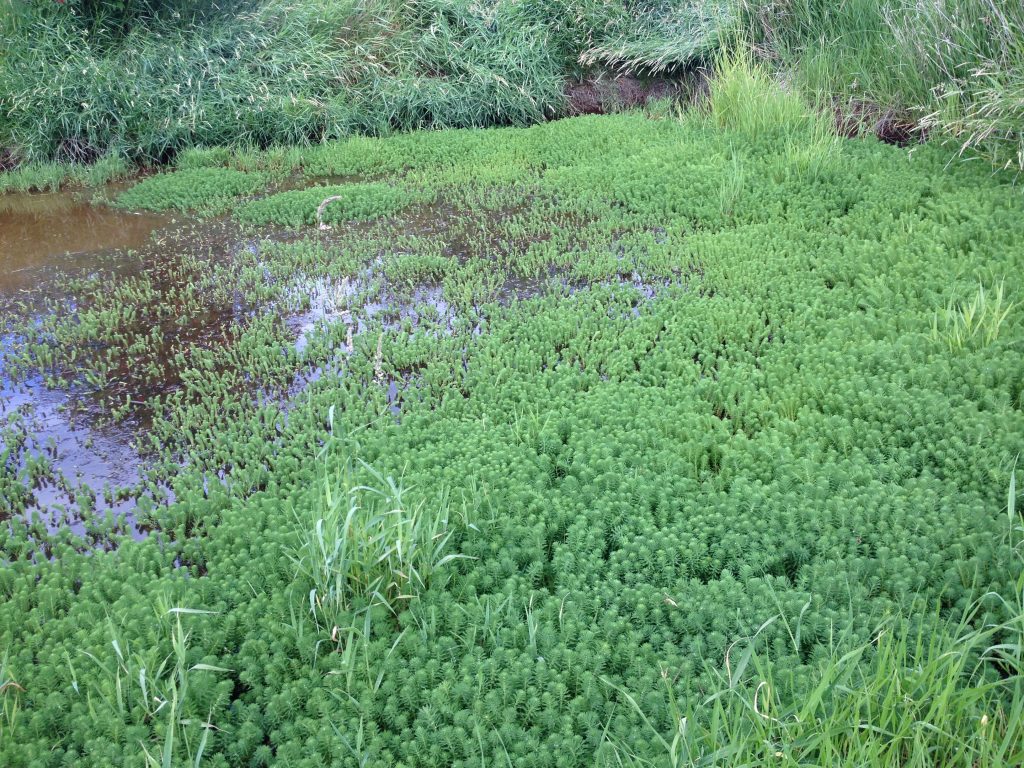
[(118, 367)]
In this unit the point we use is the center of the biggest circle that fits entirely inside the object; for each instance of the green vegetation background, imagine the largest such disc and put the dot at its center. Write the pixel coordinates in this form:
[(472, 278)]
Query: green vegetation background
[(766, 517), (147, 78)]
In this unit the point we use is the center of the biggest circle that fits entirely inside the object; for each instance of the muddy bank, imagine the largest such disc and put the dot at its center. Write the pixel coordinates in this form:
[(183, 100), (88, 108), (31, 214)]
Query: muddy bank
[(608, 92)]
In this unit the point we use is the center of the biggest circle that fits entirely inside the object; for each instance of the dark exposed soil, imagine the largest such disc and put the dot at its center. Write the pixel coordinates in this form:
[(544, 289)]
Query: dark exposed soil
[(8, 160), (607, 92), (77, 152), (858, 117), (604, 93)]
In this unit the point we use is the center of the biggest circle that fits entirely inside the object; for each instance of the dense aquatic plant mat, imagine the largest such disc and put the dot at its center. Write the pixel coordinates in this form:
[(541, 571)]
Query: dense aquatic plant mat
[(207, 190), (299, 207), (714, 420)]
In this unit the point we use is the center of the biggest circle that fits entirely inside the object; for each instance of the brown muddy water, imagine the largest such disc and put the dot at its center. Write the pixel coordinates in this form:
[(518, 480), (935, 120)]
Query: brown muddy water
[(43, 233), (45, 239)]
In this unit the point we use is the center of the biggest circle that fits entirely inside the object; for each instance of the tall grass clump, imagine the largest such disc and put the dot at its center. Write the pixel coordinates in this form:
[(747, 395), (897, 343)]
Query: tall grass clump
[(10, 699), (746, 96), (159, 699), (367, 547), (260, 77), (918, 694), (975, 322), (973, 52), (841, 50), (947, 69), (281, 73)]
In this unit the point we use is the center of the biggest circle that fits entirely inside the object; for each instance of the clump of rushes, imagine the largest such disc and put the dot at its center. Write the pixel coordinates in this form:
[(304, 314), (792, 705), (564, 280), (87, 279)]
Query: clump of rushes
[(366, 546), (975, 322), (159, 688), (10, 695), (299, 207), (655, 37), (205, 190)]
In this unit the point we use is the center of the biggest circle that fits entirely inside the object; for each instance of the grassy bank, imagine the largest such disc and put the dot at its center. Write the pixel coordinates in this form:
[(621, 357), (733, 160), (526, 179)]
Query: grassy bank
[(304, 71), (624, 440), (943, 69)]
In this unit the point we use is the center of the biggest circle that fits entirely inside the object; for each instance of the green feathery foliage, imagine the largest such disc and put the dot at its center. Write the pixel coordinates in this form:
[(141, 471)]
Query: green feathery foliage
[(200, 189), (300, 207), (677, 427)]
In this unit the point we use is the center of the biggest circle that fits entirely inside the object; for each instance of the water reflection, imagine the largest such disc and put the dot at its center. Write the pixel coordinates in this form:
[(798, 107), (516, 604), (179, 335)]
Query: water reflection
[(41, 232)]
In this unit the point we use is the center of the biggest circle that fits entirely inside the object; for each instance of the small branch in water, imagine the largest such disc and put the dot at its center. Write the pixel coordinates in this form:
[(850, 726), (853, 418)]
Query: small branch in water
[(378, 360), (320, 212)]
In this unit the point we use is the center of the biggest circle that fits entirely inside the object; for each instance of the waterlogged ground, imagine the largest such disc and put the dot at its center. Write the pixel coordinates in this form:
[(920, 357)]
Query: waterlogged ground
[(645, 390), (54, 452), (105, 307)]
